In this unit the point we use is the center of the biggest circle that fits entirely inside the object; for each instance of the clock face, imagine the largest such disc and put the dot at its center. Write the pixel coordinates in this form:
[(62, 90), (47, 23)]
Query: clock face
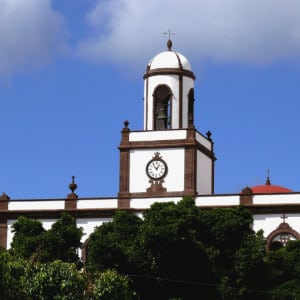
[(156, 169)]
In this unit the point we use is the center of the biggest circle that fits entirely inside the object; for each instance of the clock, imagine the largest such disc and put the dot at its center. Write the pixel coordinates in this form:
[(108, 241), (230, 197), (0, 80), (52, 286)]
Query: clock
[(156, 168)]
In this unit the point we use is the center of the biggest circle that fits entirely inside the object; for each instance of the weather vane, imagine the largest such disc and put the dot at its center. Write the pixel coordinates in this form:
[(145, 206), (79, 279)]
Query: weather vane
[(169, 43)]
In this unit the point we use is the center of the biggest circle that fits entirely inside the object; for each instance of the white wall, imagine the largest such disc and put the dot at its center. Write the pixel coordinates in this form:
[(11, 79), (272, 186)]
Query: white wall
[(225, 200), (145, 203), (97, 203), (204, 174), (270, 222), (139, 181), (166, 135), (36, 204), (276, 199), (89, 224), (203, 141)]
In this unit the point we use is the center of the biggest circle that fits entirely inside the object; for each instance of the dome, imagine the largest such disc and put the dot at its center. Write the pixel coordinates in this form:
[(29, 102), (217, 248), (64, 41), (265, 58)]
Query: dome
[(169, 60), (268, 188), (169, 63)]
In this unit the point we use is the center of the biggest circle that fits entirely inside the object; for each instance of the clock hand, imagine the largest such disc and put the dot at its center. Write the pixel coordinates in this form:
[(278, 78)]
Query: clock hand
[(154, 165)]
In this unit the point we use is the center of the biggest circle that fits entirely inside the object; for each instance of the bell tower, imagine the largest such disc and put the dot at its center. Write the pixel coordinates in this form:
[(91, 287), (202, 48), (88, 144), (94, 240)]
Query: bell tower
[(169, 157), (168, 91)]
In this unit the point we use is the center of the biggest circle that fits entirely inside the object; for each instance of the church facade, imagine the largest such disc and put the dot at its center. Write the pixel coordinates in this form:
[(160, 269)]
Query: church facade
[(167, 160)]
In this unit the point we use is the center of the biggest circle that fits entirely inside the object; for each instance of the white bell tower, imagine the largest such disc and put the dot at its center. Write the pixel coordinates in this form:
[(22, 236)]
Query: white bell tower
[(169, 157), (168, 91)]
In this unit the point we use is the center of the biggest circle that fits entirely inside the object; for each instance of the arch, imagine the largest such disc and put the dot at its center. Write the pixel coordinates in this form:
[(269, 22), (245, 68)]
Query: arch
[(162, 107), (281, 236), (191, 100), (84, 250)]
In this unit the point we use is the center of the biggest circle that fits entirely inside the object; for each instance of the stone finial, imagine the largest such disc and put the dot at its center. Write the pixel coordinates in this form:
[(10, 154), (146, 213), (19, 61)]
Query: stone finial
[(169, 45), (73, 186), (71, 201), (208, 134), (126, 128)]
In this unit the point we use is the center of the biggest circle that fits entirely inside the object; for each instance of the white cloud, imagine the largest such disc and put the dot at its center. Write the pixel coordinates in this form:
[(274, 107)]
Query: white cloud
[(243, 31), (31, 32)]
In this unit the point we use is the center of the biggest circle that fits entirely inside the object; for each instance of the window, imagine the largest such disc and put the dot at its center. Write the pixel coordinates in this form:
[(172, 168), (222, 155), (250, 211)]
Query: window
[(281, 236)]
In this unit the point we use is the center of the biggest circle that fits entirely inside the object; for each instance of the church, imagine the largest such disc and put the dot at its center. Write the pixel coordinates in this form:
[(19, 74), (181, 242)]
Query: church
[(165, 161)]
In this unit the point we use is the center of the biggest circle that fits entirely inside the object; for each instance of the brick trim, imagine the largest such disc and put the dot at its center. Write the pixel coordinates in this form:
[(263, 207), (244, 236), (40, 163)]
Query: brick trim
[(169, 71)]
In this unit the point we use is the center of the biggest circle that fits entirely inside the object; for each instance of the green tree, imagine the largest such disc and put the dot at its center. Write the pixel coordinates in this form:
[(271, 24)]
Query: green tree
[(53, 280), (11, 270), (174, 261), (111, 286), (27, 238), (284, 266), (60, 242), (181, 251), (237, 254), (111, 245)]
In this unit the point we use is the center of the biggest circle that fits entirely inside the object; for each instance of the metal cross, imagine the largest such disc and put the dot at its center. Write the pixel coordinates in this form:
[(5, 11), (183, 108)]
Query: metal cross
[(169, 33), (284, 238), (284, 216)]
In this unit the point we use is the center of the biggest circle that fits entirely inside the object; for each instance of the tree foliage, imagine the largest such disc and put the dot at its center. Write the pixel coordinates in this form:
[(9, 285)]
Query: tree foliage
[(176, 251), (60, 242), (181, 251), (111, 245), (11, 271), (53, 280), (284, 266), (110, 285), (28, 235)]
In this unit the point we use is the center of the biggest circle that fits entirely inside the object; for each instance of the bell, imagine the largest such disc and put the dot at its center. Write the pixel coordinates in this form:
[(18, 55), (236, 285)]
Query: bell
[(162, 114)]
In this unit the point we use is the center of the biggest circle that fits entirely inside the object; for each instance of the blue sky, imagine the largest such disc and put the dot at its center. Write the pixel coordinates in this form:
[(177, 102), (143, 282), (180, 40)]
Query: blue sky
[(71, 73)]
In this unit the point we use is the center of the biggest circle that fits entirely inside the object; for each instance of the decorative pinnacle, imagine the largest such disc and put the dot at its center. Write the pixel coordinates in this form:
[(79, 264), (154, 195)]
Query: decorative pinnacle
[(73, 185), (169, 43), (126, 123)]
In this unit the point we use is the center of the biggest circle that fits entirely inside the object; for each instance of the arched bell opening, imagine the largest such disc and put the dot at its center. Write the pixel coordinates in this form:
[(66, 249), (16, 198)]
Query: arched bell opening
[(162, 109), (191, 101)]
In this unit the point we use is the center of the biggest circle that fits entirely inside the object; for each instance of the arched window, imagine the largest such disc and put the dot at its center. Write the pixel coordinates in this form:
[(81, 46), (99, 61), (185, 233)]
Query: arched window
[(191, 100), (281, 236), (162, 107)]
